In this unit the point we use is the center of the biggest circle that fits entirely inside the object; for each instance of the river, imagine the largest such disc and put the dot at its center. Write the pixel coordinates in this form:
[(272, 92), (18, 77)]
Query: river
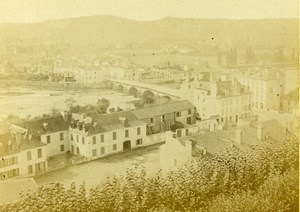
[(24, 100)]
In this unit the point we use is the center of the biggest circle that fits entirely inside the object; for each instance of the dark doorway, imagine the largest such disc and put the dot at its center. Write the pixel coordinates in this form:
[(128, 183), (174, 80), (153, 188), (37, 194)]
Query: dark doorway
[(126, 146)]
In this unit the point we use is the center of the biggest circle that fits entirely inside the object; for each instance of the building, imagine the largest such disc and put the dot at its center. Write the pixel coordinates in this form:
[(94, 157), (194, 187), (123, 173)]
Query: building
[(100, 135), (22, 155), (10, 190), (89, 75), (188, 145), (160, 118), (290, 103), (52, 131), (267, 86), (228, 100)]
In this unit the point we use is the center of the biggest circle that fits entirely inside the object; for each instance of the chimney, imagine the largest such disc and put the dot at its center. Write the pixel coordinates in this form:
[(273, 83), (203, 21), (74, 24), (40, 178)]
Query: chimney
[(123, 121), (189, 145), (45, 126), (260, 132), (238, 135)]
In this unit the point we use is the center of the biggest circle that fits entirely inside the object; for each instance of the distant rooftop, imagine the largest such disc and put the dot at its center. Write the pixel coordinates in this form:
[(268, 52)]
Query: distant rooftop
[(157, 110)]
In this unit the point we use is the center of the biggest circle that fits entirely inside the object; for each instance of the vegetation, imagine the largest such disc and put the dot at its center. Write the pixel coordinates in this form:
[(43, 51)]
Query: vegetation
[(264, 178), (100, 108)]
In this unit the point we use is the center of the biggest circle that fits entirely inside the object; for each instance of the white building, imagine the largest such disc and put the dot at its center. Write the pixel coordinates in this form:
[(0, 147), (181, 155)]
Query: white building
[(228, 100), (22, 155), (90, 75), (53, 132), (101, 135), (267, 86)]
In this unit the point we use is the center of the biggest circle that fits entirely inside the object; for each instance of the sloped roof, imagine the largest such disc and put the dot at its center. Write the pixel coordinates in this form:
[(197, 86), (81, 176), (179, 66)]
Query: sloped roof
[(214, 142), (157, 110), (46, 125), (109, 122), (10, 189), (24, 143)]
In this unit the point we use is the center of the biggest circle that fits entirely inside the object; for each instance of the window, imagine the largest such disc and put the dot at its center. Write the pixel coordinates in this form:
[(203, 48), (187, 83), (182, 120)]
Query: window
[(189, 111), (48, 139), (126, 133), (61, 136), (77, 149), (138, 131), (115, 147), (102, 150), (162, 118), (151, 120), (178, 114), (114, 135), (77, 138), (94, 140), (72, 149), (62, 148), (187, 132), (72, 137), (29, 168), (94, 152), (102, 138), (82, 139), (139, 141), (39, 153), (29, 155)]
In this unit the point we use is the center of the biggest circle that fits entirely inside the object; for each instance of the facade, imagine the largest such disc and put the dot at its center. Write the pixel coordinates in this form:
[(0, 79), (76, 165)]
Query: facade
[(21, 156), (290, 103), (160, 118), (227, 100), (266, 85), (53, 132), (187, 145), (100, 135), (89, 75)]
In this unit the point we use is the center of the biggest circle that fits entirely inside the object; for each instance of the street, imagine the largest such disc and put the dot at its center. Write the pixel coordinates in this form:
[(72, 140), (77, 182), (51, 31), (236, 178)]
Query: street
[(95, 172)]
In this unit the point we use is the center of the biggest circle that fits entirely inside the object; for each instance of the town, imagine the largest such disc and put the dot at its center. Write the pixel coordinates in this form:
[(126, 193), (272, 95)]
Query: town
[(90, 108)]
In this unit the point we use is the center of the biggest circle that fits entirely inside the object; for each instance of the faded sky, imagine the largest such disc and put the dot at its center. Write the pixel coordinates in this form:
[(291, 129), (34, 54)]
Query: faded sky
[(39, 10)]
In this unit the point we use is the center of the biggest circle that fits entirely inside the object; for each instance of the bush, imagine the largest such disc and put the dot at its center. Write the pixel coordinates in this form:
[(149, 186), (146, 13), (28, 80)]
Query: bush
[(264, 178)]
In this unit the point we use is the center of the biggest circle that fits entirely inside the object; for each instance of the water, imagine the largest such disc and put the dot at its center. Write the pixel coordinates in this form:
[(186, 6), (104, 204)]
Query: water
[(24, 101)]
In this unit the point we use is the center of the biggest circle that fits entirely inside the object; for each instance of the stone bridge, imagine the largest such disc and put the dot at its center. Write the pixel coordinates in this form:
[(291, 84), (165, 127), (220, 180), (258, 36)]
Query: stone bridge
[(140, 89)]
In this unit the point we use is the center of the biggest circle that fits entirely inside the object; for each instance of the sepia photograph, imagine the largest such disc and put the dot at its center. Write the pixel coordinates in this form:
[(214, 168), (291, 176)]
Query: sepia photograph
[(149, 105)]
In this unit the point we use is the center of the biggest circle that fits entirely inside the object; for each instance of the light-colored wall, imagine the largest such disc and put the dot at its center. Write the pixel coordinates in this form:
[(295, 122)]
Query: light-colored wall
[(23, 162), (173, 150), (53, 148), (86, 149)]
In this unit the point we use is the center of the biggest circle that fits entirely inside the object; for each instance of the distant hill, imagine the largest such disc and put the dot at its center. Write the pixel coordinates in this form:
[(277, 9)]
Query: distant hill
[(108, 30)]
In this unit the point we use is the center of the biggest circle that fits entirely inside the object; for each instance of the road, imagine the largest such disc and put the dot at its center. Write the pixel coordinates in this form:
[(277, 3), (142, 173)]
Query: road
[(95, 172)]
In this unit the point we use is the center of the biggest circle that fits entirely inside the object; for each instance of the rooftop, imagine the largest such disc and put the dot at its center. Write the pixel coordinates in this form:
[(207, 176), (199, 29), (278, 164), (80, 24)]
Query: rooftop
[(46, 125), (12, 144), (157, 110), (10, 189), (107, 122)]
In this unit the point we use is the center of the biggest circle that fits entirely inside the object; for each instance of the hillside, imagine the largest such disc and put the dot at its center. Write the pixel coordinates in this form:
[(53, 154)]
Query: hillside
[(107, 30)]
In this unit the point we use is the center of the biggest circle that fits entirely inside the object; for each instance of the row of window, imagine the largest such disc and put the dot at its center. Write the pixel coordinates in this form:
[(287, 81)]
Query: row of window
[(102, 136), (9, 174), (8, 162), (39, 154), (61, 138), (178, 114)]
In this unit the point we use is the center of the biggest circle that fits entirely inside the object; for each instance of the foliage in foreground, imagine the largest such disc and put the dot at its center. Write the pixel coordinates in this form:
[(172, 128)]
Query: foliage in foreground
[(264, 178)]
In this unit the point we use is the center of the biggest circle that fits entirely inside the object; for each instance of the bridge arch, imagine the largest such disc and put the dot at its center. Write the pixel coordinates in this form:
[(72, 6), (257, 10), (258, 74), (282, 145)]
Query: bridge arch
[(133, 91), (148, 93), (120, 88)]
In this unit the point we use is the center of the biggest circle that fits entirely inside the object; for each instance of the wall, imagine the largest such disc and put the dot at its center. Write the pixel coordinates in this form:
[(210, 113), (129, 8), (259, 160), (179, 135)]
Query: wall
[(53, 148)]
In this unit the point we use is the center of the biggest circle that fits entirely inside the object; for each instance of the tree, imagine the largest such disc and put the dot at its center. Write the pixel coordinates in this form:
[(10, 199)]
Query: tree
[(102, 106), (70, 103)]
